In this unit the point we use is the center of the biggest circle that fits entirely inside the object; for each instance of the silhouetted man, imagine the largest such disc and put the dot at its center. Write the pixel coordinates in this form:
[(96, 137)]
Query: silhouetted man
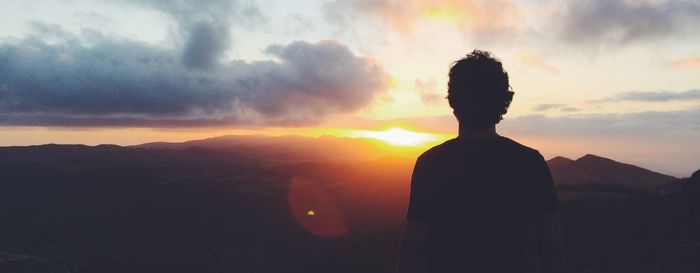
[(476, 198)]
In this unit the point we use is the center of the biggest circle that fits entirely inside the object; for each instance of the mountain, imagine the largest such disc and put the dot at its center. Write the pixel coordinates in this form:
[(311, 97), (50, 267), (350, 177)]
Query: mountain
[(288, 149), (559, 161), (596, 170), (585, 171), (591, 172)]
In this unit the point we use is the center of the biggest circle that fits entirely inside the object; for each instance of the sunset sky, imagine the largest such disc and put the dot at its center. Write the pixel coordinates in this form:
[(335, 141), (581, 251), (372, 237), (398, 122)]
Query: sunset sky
[(620, 79)]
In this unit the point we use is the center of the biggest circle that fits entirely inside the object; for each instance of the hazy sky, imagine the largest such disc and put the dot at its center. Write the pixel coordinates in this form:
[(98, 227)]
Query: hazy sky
[(616, 78)]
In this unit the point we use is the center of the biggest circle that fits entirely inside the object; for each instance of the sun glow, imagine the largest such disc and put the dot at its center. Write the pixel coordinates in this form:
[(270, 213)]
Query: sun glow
[(398, 137), (444, 14)]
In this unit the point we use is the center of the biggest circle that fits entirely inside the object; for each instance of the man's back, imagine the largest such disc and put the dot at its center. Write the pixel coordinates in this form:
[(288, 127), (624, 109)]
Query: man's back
[(477, 196), (474, 197)]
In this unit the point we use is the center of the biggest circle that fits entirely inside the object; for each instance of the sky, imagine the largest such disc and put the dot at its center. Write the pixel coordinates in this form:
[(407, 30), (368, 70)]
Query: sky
[(620, 79)]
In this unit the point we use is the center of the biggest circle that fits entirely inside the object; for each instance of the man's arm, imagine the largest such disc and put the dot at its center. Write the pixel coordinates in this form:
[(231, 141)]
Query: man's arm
[(550, 248), (412, 254), (545, 217)]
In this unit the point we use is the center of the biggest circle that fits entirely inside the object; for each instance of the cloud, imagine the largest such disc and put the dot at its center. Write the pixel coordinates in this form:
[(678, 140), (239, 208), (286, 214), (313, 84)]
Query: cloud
[(570, 109), (683, 124), (428, 92), (205, 45), (533, 59), (547, 106), (57, 79), (619, 22), (205, 26), (481, 19), (654, 96), (554, 106), (110, 82), (690, 62)]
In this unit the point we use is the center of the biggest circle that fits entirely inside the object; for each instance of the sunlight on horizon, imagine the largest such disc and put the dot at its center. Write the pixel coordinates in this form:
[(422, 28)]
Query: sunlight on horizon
[(397, 136)]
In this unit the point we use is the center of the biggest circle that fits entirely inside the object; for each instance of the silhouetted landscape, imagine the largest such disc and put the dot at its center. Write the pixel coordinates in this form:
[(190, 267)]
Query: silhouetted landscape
[(297, 204)]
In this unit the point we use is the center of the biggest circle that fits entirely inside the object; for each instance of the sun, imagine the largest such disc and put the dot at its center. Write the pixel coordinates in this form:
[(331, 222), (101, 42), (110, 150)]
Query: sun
[(398, 136)]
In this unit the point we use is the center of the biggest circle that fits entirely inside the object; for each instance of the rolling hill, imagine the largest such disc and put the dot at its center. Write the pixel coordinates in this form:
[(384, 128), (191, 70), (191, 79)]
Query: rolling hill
[(596, 170), (290, 149)]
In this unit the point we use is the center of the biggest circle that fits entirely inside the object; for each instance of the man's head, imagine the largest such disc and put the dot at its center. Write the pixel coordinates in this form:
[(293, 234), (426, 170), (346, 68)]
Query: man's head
[(478, 90)]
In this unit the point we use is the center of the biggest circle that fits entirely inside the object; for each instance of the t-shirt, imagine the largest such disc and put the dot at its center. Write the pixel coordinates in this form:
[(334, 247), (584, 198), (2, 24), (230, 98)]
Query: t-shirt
[(477, 197)]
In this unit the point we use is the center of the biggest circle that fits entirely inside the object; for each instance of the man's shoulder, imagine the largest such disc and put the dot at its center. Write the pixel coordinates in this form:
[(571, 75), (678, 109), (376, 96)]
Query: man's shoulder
[(506, 144), (437, 149), (517, 146)]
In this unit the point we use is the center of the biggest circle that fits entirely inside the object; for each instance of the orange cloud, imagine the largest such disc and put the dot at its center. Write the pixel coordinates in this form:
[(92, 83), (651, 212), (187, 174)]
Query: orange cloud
[(494, 18), (532, 58), (690, 62)]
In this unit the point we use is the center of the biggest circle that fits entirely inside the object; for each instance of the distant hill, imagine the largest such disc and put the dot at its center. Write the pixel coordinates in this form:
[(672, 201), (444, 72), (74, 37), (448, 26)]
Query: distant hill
[(585, 171), (559, 161), (290, 150), (592, 169), (293, 148), (227, 141)]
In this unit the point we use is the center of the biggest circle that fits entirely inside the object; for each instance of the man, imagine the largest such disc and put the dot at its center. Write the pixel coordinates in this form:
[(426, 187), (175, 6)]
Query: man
[(476, 199)]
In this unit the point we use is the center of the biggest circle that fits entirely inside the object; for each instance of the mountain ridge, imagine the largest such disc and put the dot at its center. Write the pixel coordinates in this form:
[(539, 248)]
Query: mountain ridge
[(594, 169), (589, 169)]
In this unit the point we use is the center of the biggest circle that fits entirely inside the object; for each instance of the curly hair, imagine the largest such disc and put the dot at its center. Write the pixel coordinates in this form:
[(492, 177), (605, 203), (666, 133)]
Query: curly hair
[(478, 90)]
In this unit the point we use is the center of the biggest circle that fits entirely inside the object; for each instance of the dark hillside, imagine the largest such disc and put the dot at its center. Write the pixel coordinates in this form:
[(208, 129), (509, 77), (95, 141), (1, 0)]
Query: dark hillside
[(74, 208), (596, 170)]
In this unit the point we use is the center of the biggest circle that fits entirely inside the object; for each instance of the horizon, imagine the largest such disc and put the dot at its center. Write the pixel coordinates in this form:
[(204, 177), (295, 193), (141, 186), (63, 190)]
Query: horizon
[(391, 148), (125, 73)]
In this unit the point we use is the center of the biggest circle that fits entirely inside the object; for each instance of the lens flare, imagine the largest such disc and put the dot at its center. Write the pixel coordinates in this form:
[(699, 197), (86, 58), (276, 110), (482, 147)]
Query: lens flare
[(315, 209)]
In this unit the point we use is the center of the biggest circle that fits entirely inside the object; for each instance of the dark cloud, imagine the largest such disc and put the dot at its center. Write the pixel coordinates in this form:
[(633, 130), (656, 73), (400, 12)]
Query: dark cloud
[(204, 26), (654, 96), (613, 21), (63, 80), (111, 82), (205, 45)]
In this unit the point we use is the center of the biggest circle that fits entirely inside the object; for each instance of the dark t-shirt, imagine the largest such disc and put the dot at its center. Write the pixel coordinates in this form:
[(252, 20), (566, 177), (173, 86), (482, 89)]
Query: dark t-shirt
[(477, 197)]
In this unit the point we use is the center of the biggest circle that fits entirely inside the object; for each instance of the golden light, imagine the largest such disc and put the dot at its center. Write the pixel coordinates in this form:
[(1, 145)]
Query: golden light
[(444, 14), (398, 137), (310, 213)]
